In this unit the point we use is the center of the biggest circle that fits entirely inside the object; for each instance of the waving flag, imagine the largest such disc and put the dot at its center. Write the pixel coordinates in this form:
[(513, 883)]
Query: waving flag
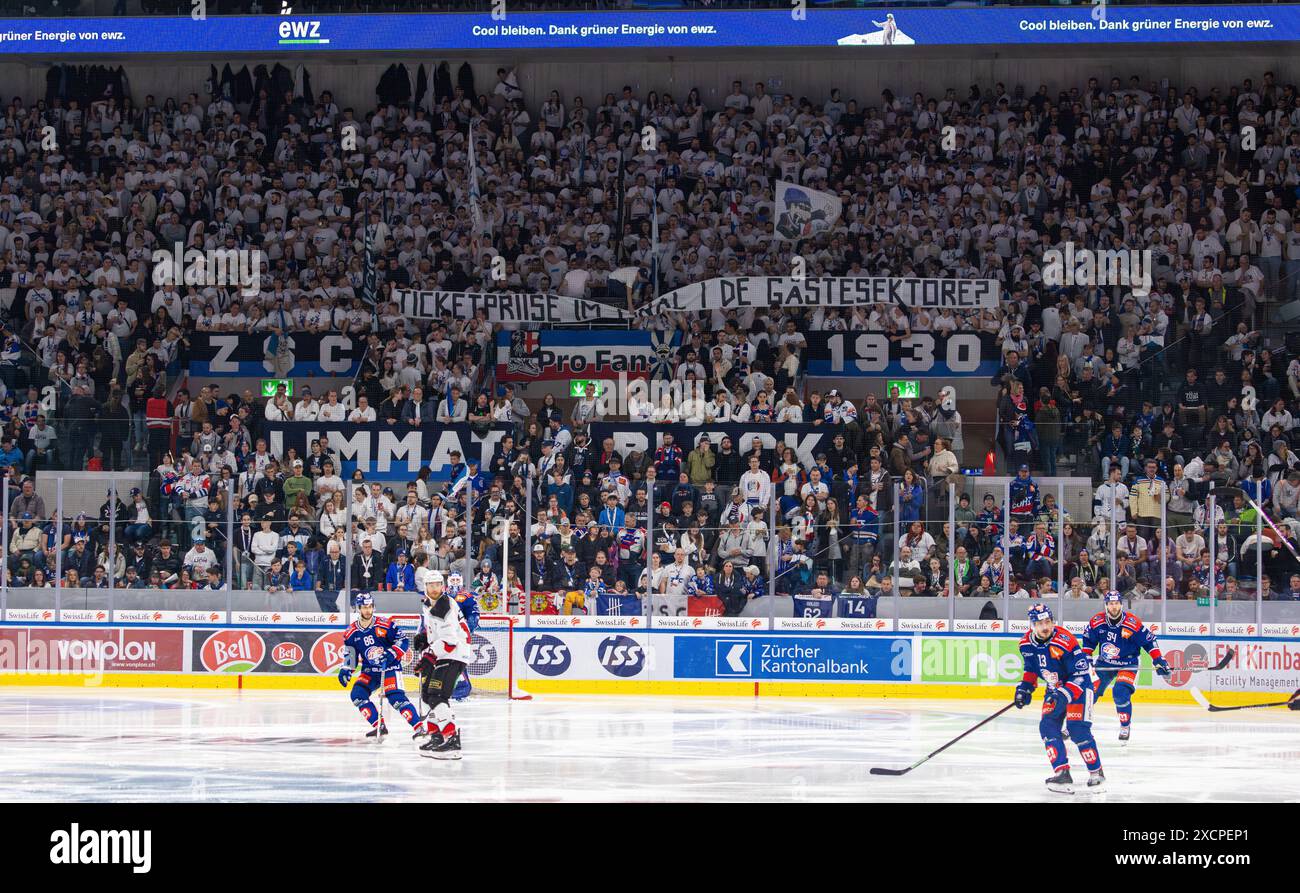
[(368, 275), (802, 213), (654, 245)]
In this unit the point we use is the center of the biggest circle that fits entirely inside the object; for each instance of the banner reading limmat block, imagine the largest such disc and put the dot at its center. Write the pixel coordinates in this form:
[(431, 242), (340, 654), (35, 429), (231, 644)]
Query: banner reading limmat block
[(388, 451), (761, 292), (805, 440), (506, 307)]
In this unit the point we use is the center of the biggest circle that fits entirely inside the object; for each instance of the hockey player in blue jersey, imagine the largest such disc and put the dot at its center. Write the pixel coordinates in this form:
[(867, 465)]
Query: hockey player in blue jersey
[(374, 647), (1053, 654), (1115, 639), (468, 603)]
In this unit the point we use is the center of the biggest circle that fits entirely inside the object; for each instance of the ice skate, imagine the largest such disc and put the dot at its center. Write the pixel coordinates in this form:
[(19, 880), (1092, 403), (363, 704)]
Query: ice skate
[(443, 748), (1061, 782)]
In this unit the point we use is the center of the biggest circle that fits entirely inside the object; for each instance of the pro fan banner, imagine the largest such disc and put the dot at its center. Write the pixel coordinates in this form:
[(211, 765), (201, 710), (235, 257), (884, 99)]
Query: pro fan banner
[(299, 355), (506, 307), (761, 292), (803, 213), (556, 355)]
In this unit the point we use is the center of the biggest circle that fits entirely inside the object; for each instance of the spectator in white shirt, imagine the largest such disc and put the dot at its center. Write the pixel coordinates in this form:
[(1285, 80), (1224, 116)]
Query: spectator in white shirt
[(332, 410), (363, 413)]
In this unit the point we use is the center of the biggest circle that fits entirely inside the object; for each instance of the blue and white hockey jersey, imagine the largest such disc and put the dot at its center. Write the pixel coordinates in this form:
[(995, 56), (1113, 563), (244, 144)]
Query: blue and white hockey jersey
[(1118, 646), (375, 648), (1060, 662)]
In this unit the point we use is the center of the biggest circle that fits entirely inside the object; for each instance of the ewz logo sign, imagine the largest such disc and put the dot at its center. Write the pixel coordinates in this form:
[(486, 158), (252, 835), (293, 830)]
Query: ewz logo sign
[(621, 656), (301, 32), (548, 655)]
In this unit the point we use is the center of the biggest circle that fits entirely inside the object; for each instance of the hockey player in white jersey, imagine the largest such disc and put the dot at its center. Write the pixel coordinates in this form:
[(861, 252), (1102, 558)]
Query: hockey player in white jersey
[(444, 637)]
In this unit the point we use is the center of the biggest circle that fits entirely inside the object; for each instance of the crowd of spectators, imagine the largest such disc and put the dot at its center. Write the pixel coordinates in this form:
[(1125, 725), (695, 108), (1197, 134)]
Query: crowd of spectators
[(568, 189)]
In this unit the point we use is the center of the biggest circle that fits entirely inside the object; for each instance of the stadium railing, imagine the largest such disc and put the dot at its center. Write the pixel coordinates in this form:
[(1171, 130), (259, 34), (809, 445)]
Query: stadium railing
[(1231, 602)]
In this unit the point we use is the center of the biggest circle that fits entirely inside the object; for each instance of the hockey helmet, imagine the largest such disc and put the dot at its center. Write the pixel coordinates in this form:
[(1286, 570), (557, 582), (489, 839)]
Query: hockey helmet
[(363, 599), (435, 577), (455, 579), (1039, 612), (1113, 597)]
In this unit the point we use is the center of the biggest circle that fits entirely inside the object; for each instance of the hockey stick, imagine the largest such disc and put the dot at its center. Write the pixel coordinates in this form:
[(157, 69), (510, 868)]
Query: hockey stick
[(876, 770), (1204, 702), (1232, 652), (383, 708), (1195, 692)]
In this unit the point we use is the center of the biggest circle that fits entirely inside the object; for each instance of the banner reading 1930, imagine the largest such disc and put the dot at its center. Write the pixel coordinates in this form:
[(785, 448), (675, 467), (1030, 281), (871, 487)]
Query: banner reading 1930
[(915, 355)]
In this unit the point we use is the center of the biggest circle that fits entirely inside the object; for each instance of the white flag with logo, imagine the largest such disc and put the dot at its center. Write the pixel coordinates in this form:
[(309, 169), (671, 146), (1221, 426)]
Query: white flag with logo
[(802, 213)]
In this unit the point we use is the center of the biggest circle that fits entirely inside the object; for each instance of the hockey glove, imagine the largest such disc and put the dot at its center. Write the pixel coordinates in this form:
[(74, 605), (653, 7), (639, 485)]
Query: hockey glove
[(1162, 666), (421, 641), (1024, 694), (427, 664), (345, 676)]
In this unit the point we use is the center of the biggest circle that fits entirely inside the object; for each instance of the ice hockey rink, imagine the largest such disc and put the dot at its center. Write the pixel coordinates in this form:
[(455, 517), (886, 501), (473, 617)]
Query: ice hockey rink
[(173, 745)]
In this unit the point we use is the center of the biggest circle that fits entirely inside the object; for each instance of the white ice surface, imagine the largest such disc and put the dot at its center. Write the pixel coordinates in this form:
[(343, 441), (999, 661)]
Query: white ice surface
[(165, 745)]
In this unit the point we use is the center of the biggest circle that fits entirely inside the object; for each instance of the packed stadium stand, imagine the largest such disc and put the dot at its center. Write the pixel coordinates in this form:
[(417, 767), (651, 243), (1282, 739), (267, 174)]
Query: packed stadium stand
[(1156, 401)]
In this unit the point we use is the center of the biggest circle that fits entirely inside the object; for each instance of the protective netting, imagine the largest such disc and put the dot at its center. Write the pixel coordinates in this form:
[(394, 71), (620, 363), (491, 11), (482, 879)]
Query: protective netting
[(491, 671)]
